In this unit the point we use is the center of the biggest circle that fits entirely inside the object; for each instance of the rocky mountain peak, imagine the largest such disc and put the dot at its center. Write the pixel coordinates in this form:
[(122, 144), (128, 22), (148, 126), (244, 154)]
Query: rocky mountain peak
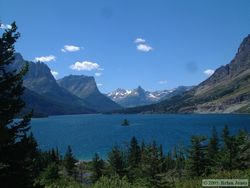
[(140, 90), (239, 64), (80, 85), (245, 45), (85, 88)]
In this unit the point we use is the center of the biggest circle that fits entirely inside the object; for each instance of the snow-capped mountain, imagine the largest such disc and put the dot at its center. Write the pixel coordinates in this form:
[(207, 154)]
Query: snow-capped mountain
[(138, 96)]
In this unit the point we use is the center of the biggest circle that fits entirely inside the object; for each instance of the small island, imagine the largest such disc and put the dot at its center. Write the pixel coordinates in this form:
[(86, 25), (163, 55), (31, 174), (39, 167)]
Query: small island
[(125, 122)]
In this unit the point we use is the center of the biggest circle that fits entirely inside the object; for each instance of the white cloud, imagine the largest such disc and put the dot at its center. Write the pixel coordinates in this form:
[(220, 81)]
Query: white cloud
[(70, 48), (139, 40), (162, 82), (98, 74), (99, 84), (54, 73), (144, 47), (85, 66), (5, 26), (209, 72), (45, 58)]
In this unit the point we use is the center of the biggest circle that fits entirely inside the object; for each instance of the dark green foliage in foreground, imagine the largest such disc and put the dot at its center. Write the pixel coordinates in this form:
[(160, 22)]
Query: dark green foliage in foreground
[(117, 162), (17, 151), (97, 168), (196, 162), (69, 162)]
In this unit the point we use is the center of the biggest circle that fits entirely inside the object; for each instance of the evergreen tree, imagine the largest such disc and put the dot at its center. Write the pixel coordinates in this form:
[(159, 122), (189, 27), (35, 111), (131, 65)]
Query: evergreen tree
[(134, 159), (196, 157), (179, 160), (116, 162), (49, 174), (15, 160), (69, 162), (98, 167), (226, 137), (243, 156), (134, 154), (154, 165), (212, 150), (169, 161), (162, 160), (229, 151), (143, 152)]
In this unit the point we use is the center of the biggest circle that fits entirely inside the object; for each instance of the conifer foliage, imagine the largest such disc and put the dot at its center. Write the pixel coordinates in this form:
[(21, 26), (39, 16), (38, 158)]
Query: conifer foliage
[(17, 151)]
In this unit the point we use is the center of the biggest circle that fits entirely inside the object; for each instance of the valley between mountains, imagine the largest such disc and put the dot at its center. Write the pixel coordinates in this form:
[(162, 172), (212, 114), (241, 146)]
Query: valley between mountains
[(226, 91)]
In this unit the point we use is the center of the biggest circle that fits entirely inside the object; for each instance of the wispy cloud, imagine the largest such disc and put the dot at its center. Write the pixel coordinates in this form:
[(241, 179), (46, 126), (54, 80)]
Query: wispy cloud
[(144, 47), (85, 66), (70, 48), (139, 40), (45, 58), (162, 82), (5, 26), (209, 72), (54, 73), (99, 84), (98, 74)]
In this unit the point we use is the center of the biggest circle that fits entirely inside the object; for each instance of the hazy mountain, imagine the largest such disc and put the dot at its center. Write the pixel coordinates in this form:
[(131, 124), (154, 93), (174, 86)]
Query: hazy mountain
[(139, 97), (85, 88), (226, 91)]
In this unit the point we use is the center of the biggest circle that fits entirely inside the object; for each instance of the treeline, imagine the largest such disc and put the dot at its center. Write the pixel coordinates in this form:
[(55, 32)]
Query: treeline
[(146, 164)]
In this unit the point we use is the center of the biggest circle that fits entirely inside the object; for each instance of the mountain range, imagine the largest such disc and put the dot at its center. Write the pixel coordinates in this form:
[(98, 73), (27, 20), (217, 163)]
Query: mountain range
[(139, 97), (226, 91), (48, 97)]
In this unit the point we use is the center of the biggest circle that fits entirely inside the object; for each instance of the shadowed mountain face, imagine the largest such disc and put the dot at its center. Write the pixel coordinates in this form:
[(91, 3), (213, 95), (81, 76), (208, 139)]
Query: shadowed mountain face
[(85, 88), (47, 97), (44, 95), (139, 97), (226, 91)]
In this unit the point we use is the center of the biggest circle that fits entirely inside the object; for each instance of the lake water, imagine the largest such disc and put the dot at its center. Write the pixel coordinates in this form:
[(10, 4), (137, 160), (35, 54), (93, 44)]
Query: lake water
[(88, 134)]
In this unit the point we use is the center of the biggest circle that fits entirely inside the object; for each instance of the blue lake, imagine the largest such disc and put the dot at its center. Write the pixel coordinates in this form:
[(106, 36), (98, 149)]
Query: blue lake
[(88, 134)]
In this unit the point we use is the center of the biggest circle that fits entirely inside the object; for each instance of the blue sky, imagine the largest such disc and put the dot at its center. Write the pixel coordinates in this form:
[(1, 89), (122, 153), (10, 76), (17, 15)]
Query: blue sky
[(177, 40)]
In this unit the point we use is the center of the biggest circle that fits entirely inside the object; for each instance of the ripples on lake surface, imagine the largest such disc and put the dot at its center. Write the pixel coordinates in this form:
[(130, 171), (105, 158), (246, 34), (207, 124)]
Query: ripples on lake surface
[(88, 134)]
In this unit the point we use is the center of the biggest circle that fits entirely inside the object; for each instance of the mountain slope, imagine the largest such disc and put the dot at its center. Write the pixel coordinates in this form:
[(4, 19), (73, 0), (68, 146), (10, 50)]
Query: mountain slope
[(226, 91), (85, 88), (139, 97), (44, 95)]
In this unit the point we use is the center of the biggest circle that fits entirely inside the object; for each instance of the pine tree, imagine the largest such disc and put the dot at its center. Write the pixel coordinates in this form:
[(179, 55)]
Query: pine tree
[(229, 150), (179, 160), (196, 157), (134, 154), (15, 160), (116, 162), (226, 136), (134, 159), (98, 167), (69, 162), (162, 159), (243, 155), (212, 151)]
